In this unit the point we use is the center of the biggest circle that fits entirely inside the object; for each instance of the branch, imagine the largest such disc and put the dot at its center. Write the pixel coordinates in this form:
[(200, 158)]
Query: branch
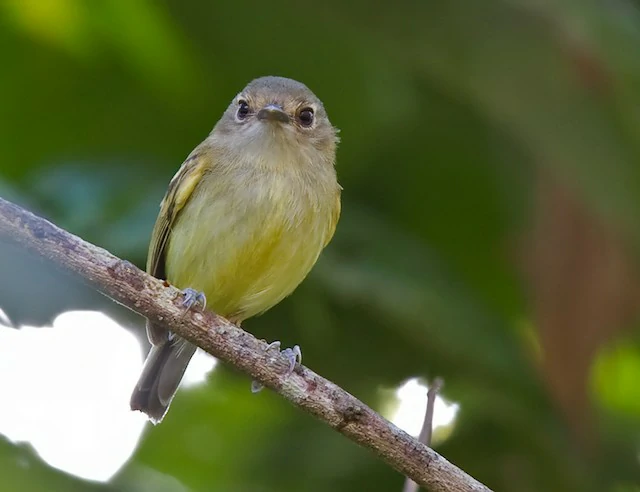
[(153, 299), (427, 427)]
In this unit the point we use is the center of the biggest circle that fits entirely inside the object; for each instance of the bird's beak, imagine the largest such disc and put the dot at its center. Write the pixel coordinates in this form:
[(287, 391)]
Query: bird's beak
[(273, 112)]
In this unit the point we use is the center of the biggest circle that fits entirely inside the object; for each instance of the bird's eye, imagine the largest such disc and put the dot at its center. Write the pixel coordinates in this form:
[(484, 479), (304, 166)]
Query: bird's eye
[(305, 117), (243, 109)]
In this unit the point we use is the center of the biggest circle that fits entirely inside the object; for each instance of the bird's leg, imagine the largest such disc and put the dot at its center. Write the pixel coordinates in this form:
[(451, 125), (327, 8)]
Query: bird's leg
[(193, 297), (293, 355)]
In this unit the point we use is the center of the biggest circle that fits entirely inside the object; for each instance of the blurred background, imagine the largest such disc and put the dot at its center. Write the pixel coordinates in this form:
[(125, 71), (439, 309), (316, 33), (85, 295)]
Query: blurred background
[(490, 236)]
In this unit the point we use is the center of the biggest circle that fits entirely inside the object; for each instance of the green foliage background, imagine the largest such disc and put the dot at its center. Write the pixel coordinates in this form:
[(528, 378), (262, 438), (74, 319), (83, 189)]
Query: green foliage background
[(446, 110)]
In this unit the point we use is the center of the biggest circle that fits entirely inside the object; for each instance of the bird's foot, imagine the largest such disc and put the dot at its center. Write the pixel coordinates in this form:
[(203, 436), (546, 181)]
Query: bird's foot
[(293, 355), (193, 297)]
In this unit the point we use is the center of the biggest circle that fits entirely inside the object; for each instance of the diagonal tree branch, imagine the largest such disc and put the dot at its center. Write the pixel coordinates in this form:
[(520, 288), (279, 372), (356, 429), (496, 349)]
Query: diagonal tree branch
[(152, 298)]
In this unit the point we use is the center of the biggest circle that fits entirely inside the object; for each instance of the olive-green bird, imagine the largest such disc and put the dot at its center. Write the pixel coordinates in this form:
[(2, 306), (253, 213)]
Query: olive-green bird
[(244, 219)]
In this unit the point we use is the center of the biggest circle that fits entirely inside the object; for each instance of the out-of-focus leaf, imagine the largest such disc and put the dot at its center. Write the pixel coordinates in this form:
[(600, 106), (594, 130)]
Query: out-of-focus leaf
[(62, 23), (615, 379), (140, 33), (114, 206), (22, 470)]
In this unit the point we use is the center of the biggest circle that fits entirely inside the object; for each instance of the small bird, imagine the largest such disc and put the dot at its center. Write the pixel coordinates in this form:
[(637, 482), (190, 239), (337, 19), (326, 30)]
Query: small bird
[(243, 220)]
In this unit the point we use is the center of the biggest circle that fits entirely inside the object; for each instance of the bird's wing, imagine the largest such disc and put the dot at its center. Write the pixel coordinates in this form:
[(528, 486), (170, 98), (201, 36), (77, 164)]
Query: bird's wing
[(180, 189)]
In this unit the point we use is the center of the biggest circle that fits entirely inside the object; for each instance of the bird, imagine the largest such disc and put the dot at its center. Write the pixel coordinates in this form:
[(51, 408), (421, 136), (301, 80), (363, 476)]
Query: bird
[(243, 220)]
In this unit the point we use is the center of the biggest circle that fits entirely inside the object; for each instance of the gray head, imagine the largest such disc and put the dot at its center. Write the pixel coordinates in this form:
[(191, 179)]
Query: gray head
[(276, 112)]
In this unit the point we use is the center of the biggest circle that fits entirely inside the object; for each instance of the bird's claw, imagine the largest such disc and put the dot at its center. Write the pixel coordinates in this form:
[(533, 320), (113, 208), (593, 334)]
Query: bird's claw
[(193, 297), (293, 355)]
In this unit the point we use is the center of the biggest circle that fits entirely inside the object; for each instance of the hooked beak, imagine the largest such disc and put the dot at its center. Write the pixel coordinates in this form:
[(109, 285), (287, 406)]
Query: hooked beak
[(273, 112)]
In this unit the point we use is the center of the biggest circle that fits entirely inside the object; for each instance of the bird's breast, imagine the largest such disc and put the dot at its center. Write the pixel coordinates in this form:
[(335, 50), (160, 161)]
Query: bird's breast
[(248, 239)]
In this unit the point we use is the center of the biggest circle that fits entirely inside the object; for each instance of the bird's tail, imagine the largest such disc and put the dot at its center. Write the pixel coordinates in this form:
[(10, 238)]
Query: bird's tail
[(161, 376)]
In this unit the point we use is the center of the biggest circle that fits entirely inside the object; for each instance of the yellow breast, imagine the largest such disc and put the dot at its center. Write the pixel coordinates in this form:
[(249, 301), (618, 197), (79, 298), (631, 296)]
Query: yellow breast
[(247, 241)]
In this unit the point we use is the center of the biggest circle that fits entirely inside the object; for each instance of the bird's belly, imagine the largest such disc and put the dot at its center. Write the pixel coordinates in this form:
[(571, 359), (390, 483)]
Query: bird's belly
[(245, 259)]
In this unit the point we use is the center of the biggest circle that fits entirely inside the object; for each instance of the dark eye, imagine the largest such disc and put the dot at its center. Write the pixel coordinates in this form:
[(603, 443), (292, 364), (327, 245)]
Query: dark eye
[(305, 116), (243, 109)]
